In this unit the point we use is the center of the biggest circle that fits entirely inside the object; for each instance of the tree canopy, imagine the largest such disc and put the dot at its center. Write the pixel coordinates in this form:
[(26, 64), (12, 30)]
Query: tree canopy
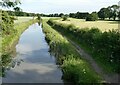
[(9, 3)]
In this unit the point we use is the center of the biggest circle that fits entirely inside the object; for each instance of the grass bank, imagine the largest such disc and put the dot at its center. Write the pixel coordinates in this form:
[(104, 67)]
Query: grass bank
[(103, 46), (74, 68)]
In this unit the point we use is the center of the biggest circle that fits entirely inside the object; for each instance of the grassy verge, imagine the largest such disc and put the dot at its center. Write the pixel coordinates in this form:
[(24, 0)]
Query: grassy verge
[(74, 68), (8, 42), (102, 46)]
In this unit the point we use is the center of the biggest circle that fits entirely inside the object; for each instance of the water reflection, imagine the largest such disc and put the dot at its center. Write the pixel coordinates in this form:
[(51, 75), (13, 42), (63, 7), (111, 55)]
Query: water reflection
[(14, 62), (33, 63), (39, 23)]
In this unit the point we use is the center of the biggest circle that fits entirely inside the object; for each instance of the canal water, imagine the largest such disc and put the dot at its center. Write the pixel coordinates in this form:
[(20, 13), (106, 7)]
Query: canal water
[(33, 63)]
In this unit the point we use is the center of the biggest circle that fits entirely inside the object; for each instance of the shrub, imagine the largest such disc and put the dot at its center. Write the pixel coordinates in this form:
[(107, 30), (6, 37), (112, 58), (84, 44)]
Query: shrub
[(7, 24), (65, 17)]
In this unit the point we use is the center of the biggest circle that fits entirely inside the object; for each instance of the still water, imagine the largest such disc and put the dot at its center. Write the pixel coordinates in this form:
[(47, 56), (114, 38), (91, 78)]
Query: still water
[(33, 63)]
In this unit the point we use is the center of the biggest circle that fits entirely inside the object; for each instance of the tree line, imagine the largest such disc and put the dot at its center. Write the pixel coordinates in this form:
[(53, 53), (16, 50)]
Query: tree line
[(109, 13), (21, 13)]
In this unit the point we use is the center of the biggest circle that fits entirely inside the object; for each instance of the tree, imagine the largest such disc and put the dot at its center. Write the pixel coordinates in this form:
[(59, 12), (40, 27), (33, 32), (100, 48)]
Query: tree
[(61, 14), (39, 17), (102, 13), (9, 3), (72, 15), (7, 21), (17, 9), (109, 12), (119, 15), (55, 15), (115, 9), (92, 17), (65, 17)]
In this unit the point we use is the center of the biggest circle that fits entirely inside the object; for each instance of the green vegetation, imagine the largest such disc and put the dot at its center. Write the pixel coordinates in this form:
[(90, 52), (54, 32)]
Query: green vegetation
[(74, 68), (104, 47), (92, 17), (109, 12), (65, 17), (78, 71)]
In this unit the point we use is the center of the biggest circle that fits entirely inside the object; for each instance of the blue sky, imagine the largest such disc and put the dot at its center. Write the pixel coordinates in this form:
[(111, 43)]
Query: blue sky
[(64, 6)]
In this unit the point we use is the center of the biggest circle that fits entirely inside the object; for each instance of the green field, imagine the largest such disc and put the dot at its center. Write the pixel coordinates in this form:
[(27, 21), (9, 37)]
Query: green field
[(81, 23), (22, 19)]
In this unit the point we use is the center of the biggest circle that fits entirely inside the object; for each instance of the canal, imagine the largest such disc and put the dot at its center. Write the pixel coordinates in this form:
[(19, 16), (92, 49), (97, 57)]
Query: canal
[(33, 62)]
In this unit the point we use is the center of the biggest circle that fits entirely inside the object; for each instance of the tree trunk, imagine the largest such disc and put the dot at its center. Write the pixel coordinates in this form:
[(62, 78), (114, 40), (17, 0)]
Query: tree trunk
[(114, 18)]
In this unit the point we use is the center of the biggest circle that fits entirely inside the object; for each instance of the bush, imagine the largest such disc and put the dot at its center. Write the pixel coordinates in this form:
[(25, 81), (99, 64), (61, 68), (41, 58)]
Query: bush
[(65, 17), (7, 24)]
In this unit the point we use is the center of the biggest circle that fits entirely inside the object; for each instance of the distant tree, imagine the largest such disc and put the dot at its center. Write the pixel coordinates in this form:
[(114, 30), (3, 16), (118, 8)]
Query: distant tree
[(65, 17), (89, 18), (119, 15), (103, 13), (17, 9), (61, 14), (115, 9), (72, 15), (109, 12), (56, 15), (38, 17), (92, 17), (77, 15)]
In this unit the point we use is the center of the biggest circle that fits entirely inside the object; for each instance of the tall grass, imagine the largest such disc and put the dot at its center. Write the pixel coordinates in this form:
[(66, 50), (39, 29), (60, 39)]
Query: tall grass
[(74, 68)]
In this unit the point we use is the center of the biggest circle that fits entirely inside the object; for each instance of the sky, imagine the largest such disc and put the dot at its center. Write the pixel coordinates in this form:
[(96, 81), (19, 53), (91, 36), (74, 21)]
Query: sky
[(64, 6)]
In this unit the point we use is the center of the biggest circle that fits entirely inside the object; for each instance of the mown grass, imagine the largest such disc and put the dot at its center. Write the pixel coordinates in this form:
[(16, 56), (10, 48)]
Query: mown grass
[(104, 47), (74, 68), (81, 24)]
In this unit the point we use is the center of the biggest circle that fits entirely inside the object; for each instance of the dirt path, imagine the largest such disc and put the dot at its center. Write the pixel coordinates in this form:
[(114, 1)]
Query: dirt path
[(109, 78)]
